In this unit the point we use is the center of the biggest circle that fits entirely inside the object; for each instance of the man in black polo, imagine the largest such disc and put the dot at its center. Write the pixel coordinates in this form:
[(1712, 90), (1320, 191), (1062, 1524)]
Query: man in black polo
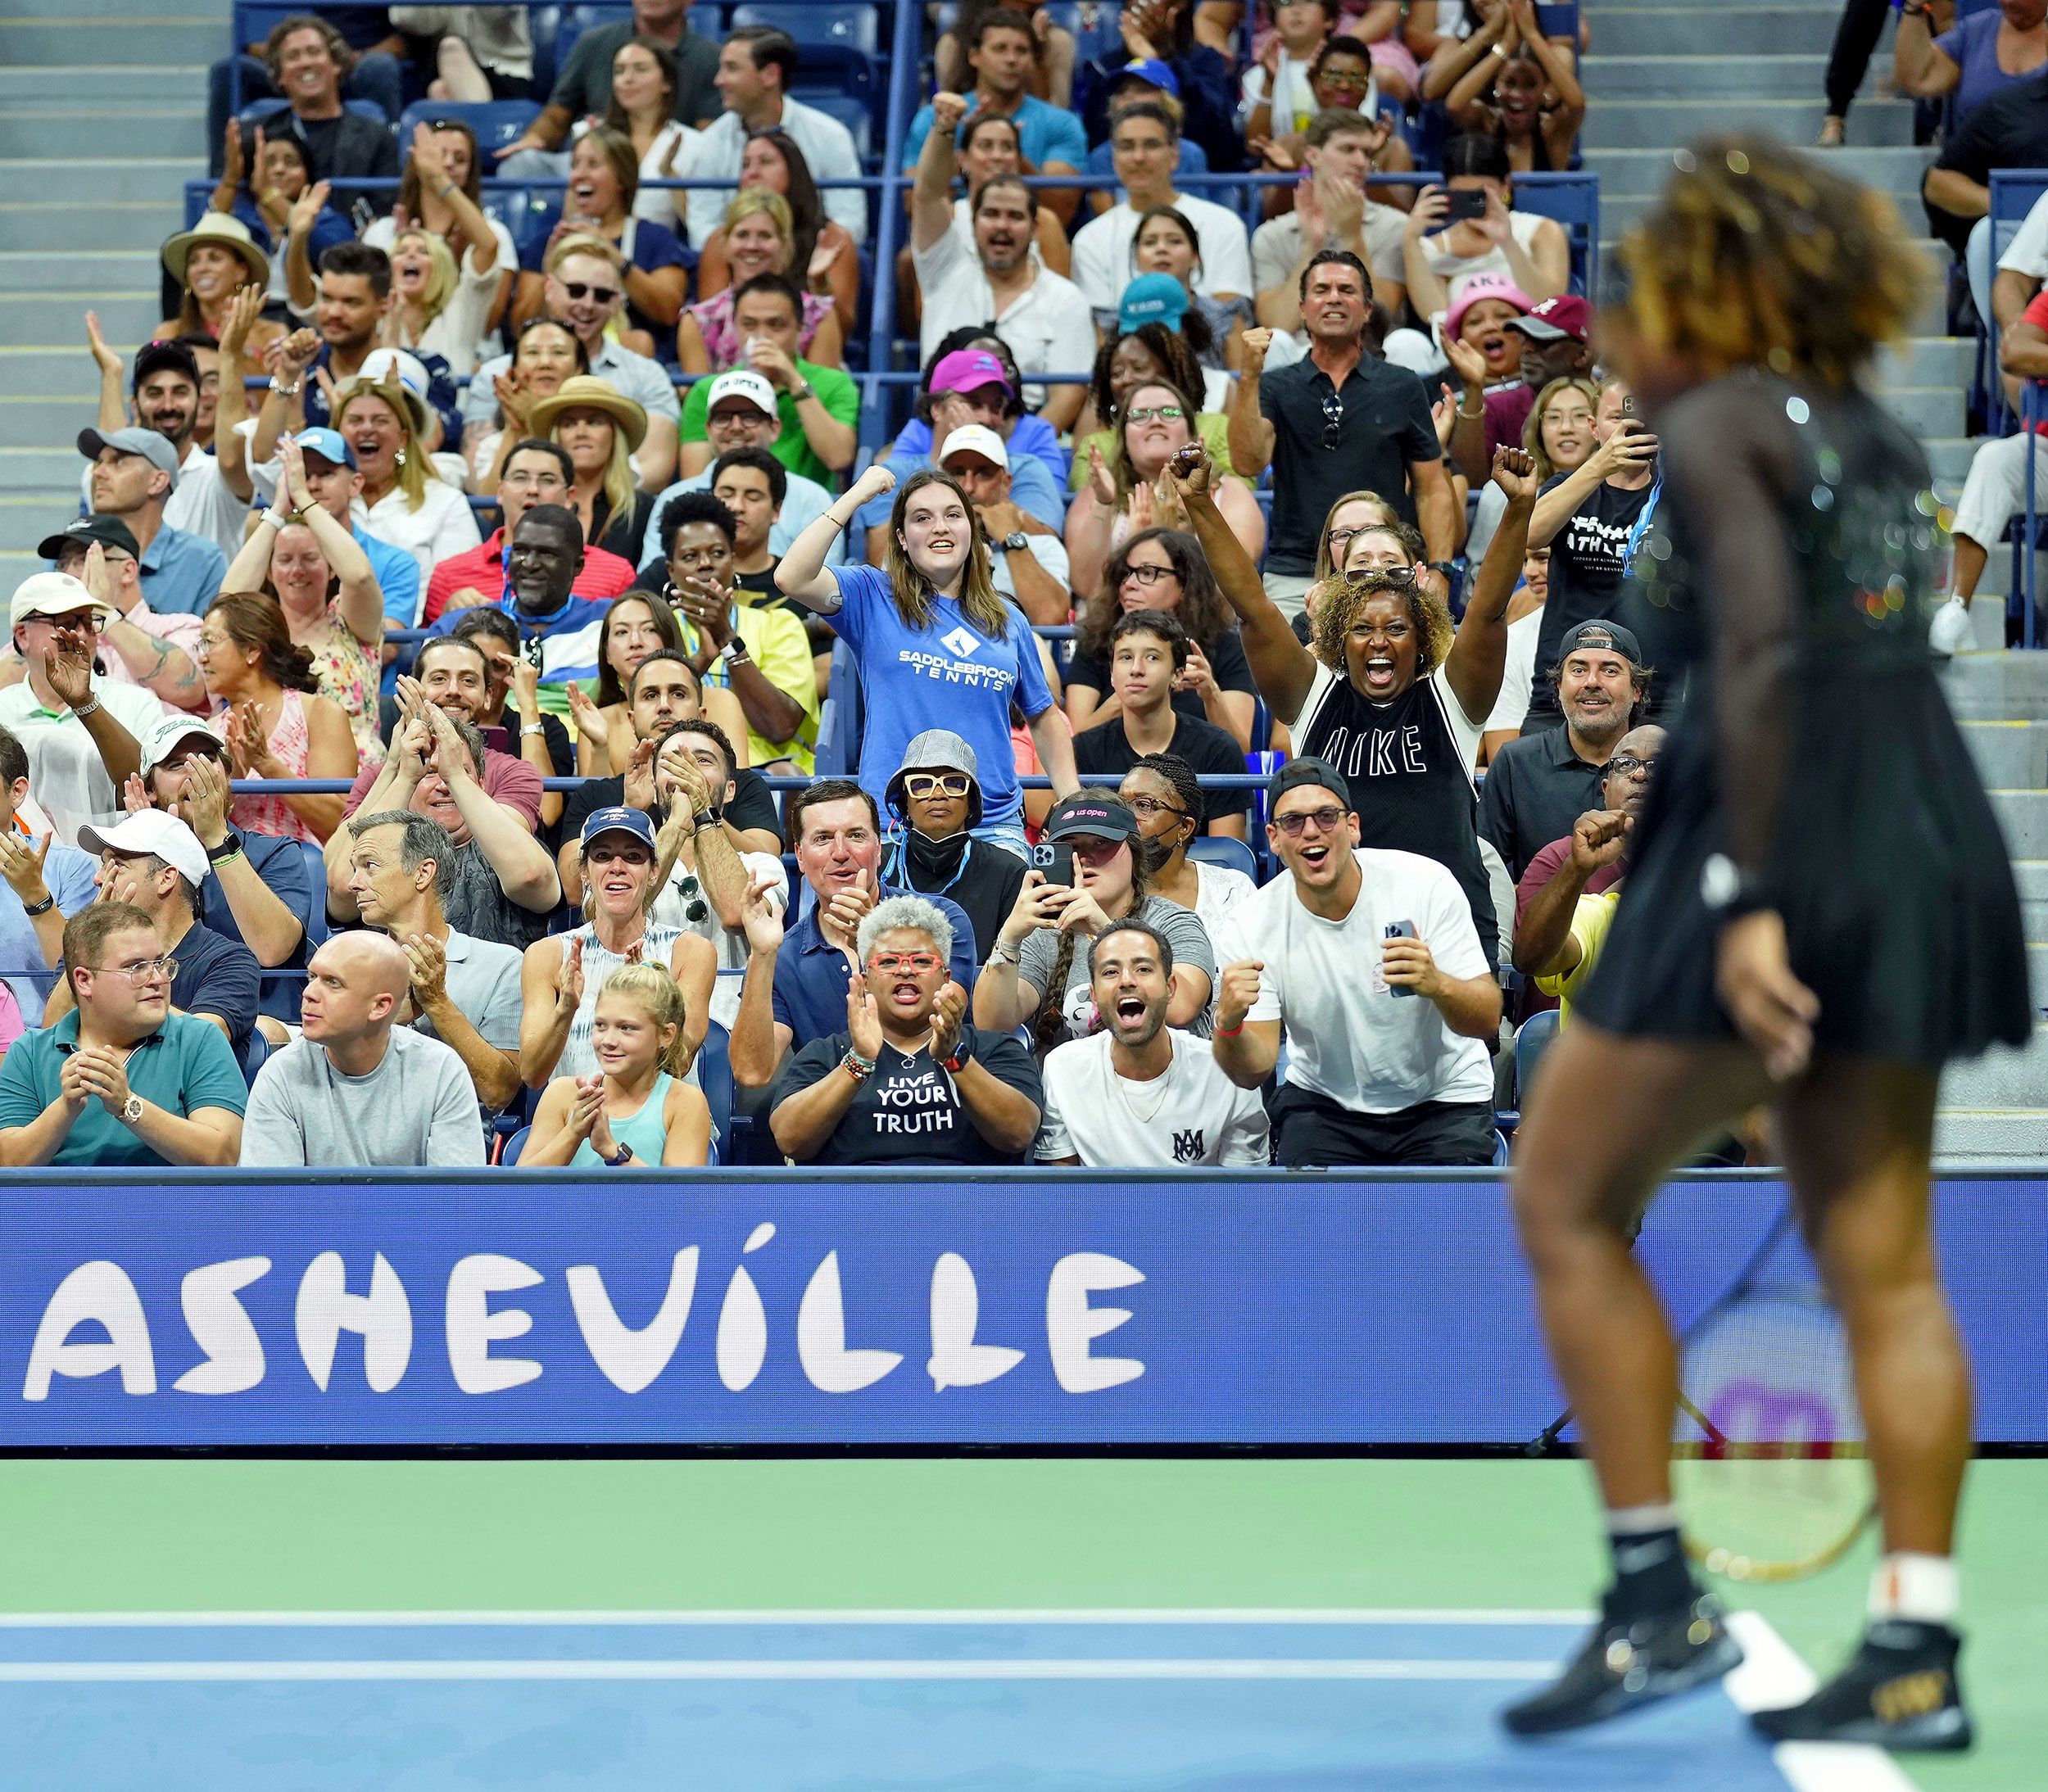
[(1339, 419), (1538, 786)]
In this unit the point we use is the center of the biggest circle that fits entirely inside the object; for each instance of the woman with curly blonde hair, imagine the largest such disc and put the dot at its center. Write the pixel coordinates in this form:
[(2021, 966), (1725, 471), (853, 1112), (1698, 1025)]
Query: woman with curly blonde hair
[(1818, 914)]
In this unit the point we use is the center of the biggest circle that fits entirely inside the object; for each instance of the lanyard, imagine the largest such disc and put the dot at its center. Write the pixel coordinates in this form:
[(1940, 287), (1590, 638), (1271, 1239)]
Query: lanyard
[(896, 864), (1643, 526)]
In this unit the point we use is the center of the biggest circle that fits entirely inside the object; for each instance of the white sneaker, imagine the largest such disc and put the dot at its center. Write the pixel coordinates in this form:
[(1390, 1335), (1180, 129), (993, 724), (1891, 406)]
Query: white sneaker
[(1950, 632)]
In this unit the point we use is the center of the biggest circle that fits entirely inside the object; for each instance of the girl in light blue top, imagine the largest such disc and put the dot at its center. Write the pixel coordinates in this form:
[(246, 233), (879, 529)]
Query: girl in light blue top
[(636, 1109)]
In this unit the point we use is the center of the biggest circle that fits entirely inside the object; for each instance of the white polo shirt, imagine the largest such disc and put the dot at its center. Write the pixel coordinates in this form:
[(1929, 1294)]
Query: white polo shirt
[(64, 769), (1048, 328)]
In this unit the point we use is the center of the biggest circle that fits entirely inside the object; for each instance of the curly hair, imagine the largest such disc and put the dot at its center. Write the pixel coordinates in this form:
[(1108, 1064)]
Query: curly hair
[(1344, 599), (1758, 256), (1203, 610)]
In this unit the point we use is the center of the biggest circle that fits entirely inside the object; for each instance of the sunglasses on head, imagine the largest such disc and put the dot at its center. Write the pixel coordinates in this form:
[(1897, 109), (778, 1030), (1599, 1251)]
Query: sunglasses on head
[(579, 290)]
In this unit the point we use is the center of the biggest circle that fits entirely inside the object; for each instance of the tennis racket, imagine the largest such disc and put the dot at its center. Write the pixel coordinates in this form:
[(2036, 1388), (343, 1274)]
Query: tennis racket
[(1769, 1467)]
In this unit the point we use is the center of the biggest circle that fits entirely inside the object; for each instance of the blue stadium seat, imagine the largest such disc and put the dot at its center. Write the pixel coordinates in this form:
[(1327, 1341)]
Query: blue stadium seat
[(1573, 199), (257, 110), (838, 47), (1499, 1149), (854, 110), (714, 1077), (1532, 1039), (255, 1049), (1220, 849), (494, 122), (316, 923), (514, 1146)]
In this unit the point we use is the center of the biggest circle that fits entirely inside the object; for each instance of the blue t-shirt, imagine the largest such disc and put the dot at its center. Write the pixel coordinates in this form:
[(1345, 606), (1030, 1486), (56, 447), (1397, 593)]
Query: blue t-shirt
[(1972, 45), (1032, 436), (1044, 134), (949, 675), (811, 974), (1194, 159), (563, 645)]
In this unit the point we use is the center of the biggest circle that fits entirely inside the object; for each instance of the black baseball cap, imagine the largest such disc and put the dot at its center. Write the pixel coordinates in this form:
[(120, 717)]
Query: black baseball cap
[(1597, 631), (109, 532), (1308, 769), (1092, 815), (175, 355)]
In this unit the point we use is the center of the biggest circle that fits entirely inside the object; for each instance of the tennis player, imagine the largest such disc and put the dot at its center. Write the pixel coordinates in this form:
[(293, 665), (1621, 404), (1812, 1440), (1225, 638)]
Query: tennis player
[(1819, 914)]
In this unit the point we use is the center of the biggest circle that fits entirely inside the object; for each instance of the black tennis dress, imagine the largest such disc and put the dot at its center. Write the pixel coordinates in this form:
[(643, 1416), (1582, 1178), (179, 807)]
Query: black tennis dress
[(1888, 863)]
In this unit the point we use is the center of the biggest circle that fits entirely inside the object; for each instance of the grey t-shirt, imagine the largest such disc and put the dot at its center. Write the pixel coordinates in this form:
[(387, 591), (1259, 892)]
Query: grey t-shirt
[(416, 1108), (1183, 932)]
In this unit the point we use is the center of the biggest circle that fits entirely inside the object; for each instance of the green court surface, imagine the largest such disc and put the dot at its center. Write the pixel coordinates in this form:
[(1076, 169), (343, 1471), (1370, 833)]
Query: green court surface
[(213, 1535)]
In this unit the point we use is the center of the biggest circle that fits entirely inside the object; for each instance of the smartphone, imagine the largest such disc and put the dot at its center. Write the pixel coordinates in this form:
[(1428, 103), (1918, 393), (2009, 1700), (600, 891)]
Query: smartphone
[(498, 739), (1399, 929), (1628, 404), (1056, 860), (1467, 205)]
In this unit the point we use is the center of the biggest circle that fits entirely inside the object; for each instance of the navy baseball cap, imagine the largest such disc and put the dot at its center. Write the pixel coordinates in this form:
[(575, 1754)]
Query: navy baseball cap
[(1598, 631), (617, 820), (1308, 769), (1092, 815)]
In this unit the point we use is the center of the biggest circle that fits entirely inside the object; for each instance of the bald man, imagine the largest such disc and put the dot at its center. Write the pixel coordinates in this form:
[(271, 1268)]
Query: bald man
[(356, 1089)]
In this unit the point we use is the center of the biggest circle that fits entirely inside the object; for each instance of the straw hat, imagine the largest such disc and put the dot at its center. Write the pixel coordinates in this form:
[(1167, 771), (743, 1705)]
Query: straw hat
[(229, 233), (586, 391)]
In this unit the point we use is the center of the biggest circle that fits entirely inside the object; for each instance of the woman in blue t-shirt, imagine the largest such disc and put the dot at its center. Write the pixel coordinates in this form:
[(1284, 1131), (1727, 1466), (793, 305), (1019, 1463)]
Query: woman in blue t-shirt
[(935, 644)]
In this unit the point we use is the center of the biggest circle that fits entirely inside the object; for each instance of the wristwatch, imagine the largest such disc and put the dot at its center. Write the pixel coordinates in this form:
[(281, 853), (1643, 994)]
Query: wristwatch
[(712, 812), (132, 1109), (33, 909), (1015, 542), (736, 653), (624, 1153), (803, 390), (226, 850)]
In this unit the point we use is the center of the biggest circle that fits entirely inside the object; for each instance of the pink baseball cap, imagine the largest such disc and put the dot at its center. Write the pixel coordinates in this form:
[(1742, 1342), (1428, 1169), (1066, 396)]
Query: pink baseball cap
[(967, 369), (1484, 286)]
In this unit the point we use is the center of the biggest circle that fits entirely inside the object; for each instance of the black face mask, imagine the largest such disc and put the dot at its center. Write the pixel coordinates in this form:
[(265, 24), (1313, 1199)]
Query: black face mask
[(935, 859)]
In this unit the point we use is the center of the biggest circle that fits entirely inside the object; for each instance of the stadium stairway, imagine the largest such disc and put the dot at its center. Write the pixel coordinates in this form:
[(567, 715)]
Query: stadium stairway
[(102, 119), (1663, 71)]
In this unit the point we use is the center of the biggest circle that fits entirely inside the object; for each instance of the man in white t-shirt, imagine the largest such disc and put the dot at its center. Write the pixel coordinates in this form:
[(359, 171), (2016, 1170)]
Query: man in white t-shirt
[(1144, 146), (1370, 962), (1138, 1092), (1041, 316)]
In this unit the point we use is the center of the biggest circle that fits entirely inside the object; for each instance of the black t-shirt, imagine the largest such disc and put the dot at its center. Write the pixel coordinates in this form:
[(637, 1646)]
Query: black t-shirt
[(1536, 790), (985, 882), (908, 1111), (1206, 748), (753, 804), (1385, 425), (1227, 663), (1587, 559)]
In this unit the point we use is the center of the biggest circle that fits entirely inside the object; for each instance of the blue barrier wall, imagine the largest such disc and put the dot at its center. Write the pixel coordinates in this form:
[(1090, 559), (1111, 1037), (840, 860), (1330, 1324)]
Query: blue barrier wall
[(797, 1309)]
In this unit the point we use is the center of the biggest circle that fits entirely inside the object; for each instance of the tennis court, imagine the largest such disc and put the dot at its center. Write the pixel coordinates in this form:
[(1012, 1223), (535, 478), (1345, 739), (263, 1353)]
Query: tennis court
[(1209, 1622)]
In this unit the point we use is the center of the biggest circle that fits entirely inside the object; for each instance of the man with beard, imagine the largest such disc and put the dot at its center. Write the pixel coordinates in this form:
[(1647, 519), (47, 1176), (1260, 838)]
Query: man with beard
[(1567, 900), (937, 799), (1043, 317), (1139, 1093), (1539, 785), (170, 397)]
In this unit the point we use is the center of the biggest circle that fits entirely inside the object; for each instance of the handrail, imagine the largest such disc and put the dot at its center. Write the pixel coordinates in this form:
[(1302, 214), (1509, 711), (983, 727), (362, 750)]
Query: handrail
[(1208, 781)]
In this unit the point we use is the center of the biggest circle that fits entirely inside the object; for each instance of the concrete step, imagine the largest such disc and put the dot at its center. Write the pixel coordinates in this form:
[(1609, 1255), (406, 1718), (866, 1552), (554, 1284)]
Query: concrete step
[(40, 319), (1661, 29), (1626, 168), (30, 373), (2022, 814), (1949, 457), (37, 423), (2009, 755), (99, 11), (1921, 360), (1722, 69), (31, 508), (1965, 1137), (32, 470), (166, 130), (99, 86), (125, 179), (178, 41), (134, 225), (1998, 686), (1926, 410), (2001, 1078), (45, 270), (1650, 124)]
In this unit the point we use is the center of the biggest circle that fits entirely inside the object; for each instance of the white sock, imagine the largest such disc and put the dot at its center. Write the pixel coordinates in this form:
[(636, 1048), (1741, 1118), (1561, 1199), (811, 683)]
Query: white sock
[(1634, 1521), (1921, 1588)]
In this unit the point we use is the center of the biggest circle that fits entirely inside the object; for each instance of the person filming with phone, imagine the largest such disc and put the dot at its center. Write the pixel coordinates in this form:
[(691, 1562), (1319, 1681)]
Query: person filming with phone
[(1368, 961), (1592, 520)]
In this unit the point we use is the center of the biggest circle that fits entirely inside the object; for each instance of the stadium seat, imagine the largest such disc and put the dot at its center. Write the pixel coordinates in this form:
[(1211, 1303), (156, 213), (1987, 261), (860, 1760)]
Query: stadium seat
[(496, 122), (257, 110), (714, 1077), (1220, 849), (315, 921), (1532, 1039), (853, 110), (1499, 1149), (254, 1050), (509, 1153), (838, 47)]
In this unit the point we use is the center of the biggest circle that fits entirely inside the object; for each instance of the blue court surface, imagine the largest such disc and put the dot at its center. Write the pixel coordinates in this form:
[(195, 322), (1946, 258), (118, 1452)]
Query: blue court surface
[(317, 1702)]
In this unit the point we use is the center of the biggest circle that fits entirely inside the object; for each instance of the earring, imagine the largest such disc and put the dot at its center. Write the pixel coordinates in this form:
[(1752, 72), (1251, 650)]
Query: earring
[(398, 460)]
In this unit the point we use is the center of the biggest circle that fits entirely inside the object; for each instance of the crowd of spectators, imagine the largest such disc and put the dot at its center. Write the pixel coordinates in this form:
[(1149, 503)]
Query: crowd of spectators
[(608, 458)]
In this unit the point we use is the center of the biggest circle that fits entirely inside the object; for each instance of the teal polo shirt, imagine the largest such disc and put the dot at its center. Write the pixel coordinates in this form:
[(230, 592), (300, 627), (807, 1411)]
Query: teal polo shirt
[(183, 1066)]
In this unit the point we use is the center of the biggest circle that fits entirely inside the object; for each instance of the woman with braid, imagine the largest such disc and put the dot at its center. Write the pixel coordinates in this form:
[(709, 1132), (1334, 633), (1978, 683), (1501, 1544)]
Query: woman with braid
[(1161, 789), (1818, 916), (1037, 976)]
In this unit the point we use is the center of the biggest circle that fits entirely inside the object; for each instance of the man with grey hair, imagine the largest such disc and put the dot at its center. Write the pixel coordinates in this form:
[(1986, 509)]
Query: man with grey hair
[(356, 1088), (910, 1081), (154, 861), (464, 991)]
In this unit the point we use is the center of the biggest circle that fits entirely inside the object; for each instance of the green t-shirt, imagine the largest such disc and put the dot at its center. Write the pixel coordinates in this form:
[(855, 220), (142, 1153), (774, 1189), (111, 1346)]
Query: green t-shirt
[(835, 392)]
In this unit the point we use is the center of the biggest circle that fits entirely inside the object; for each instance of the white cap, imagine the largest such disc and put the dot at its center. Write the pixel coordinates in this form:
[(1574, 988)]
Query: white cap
[(742, 383), (162, 740), (975, 438), (51, 594), (153, 832)]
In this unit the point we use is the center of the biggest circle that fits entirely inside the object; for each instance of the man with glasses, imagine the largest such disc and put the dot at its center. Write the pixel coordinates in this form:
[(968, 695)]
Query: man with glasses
[(138, 646), (154, 861), (1369, 962), (1566, 900), (1540, 784), (1338, 420), (934, 801), (534, 473), (122, 1080)]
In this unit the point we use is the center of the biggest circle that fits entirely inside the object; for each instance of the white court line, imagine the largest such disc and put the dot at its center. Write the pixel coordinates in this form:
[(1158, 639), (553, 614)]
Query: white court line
[(1772, 1674), (1019, 1615), (44, 1672)]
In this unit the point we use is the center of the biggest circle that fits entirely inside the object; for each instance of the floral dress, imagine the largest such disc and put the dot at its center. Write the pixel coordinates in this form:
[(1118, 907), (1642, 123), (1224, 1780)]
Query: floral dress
[(349, 669), (289, 741)]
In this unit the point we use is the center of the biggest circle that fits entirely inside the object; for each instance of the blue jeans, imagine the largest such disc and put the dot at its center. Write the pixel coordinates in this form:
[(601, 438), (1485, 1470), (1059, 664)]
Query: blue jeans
[(1009, 835), (378, 78)]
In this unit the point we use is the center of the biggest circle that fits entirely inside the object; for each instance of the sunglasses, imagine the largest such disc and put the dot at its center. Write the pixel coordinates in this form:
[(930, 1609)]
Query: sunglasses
[(1333, 419), (921, 784), (1326, 820), (918, 964), (1166, 414), (695, 908), (578, 291)]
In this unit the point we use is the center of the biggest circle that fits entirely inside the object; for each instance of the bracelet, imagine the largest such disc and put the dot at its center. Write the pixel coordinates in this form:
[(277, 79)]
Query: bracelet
[(33, 909), (442, 192), (532, 727), (90, 707), (282, 390), (856, 1066), (736, 653), (226, 850), (1229, 1033), (803, 390), (1005, 954)]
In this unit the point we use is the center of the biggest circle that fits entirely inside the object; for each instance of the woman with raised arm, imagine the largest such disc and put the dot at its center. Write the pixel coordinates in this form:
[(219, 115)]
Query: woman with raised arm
[(935, 644), (1387, 693)]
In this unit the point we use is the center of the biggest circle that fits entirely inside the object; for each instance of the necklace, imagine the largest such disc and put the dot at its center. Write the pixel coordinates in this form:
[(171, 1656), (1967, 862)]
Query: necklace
[(1125, 1085)]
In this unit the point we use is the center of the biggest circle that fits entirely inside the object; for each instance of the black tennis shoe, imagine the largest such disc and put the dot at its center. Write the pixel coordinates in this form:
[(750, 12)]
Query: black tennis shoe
[(1899, 1691), (1628, 1664)]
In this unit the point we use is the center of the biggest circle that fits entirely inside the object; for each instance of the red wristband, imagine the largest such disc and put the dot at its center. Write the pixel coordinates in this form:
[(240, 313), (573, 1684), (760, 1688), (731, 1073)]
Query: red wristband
[(1229, 1033)]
